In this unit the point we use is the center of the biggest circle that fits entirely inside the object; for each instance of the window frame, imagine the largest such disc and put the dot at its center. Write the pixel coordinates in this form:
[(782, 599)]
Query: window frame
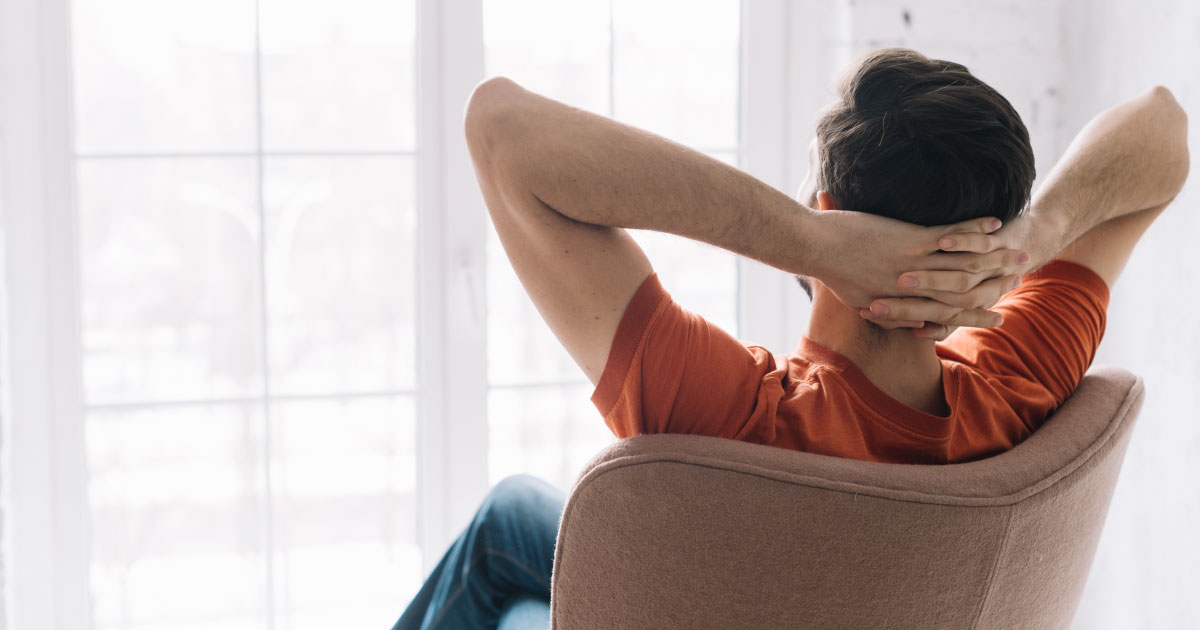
[(451, 290), (44, 461), (45, 512)]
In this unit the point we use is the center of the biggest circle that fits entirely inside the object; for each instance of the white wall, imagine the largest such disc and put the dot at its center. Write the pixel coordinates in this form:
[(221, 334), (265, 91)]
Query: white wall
[(1147, 571), (3, 411)]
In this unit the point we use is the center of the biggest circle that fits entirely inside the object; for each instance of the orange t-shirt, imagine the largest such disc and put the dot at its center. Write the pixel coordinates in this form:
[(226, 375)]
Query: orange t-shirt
[(670, 371)]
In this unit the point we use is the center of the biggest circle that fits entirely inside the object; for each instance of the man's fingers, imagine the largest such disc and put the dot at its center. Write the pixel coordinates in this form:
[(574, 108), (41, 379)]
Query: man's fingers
[(982, 225), (962, 272), (922, 283), (1000, 262), (914, 309), (969, 242), (936, 332), (947, 308), (890, 324), (976, 318), (959, 231), (985, 295), (931, 311)]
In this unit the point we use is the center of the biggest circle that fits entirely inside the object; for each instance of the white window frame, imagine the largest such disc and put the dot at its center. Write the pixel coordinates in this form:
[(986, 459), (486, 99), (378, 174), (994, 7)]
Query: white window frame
[(45, 542), (45, 529), (788, 51), (452, 315)]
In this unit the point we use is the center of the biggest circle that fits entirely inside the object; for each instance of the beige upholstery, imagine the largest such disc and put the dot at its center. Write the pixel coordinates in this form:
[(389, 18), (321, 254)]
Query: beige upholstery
[(688, 532)]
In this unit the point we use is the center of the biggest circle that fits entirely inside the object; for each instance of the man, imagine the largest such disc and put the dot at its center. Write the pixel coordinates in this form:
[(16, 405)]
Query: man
[(910, 142)]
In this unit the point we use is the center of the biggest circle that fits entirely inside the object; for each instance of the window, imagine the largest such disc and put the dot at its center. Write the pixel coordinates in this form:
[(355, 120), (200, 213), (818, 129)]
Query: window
[(263, 264), (246, 194)]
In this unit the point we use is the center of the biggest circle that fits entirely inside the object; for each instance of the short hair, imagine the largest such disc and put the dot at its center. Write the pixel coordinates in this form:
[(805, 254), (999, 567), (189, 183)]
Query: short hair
[(924, 141)]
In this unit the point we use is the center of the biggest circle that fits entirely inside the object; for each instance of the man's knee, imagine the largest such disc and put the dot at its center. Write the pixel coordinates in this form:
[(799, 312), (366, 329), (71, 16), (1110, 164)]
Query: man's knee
[(522, 493), (521, 499), (517, 485)]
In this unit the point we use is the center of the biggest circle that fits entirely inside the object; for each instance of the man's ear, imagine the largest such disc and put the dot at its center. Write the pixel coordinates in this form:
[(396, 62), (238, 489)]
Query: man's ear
[(825, 201)]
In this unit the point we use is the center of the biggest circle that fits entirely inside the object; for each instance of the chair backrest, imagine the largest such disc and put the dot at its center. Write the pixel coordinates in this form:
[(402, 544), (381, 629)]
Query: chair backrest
[(689, 532)]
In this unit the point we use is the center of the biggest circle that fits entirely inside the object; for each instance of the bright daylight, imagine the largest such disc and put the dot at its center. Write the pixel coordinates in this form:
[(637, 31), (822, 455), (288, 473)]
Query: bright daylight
[(599, 314)]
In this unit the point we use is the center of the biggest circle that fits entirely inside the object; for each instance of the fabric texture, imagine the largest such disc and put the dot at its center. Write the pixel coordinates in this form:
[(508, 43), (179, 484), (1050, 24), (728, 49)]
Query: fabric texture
[(670, 371), (679, 532)]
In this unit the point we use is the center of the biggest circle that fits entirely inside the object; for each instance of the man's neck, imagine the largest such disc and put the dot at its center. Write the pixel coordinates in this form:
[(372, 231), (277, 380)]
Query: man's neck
[(904, 367)]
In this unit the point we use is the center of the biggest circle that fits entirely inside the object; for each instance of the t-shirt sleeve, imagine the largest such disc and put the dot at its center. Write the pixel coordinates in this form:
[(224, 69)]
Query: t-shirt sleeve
[(1053, 324), (671, 371)]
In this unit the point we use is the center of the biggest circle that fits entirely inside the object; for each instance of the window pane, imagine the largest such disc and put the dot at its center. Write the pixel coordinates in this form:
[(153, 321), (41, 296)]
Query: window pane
[(555, 48), (183, 292), (341, 273), (343, 478), (169, 258), (675, 69), (163, 76), (550, 432), (338, 75), (175, 499)]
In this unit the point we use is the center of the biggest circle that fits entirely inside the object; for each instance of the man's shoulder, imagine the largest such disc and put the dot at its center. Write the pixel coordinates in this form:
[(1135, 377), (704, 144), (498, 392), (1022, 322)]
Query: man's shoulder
[(1053, 324)]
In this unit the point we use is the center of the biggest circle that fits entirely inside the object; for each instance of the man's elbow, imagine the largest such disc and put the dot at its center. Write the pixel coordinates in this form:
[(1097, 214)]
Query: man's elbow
[(1172, 118), (1167, 110), (485, 110), (1163, 95)]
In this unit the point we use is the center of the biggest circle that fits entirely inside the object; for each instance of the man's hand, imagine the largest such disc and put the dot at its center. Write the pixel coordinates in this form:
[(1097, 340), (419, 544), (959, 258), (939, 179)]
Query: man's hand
[(903, 275), (1036, 235)]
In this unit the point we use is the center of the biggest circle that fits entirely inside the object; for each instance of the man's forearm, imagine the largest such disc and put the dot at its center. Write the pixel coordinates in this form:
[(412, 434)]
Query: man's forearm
[(595, 170), (1130, 157)]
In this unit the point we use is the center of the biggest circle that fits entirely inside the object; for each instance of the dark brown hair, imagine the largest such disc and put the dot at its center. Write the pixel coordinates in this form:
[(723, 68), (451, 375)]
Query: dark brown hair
[(924, 141)]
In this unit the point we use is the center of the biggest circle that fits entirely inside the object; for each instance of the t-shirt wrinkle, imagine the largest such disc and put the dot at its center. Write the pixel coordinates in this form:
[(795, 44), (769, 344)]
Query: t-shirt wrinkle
[(671, 371), (675, 391)]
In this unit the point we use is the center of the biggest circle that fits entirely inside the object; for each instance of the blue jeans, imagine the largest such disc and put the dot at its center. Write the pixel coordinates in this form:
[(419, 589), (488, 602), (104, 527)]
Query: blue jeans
[(497, 574)]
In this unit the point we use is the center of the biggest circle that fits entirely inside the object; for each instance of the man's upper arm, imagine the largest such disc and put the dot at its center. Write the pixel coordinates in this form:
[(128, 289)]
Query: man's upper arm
[(1122, 169), (1106, 248), (580, 276)]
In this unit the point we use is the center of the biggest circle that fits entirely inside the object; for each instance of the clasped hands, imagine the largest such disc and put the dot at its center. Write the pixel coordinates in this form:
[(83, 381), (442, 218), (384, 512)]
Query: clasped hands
[(929, 279)]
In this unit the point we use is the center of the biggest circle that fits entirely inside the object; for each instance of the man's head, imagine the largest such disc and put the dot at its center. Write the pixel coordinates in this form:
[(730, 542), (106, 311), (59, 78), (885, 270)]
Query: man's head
[(920, 140)]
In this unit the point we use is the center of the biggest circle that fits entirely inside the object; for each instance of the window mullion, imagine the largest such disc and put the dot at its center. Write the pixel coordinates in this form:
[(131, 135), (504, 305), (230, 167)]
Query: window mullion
[(783, 85), (763, 112), (47, 561), (451, 294)]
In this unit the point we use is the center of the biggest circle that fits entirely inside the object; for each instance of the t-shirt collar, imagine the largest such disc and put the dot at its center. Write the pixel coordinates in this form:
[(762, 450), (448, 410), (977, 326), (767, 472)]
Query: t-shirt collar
[(878, 400)]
